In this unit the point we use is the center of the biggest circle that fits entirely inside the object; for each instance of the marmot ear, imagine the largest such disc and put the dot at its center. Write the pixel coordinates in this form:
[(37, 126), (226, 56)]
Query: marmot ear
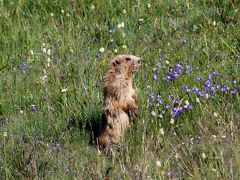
[(116, 62)]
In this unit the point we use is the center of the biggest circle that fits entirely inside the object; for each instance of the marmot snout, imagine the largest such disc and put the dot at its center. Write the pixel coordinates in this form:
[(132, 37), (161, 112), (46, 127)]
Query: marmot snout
[(119, 99)]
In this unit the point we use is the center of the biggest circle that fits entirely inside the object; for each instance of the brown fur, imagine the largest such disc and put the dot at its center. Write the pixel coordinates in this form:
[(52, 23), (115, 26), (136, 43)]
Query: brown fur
[(119, 99)]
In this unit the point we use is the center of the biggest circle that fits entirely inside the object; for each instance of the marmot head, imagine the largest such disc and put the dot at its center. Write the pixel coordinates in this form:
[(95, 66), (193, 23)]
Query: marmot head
[(125, 64)]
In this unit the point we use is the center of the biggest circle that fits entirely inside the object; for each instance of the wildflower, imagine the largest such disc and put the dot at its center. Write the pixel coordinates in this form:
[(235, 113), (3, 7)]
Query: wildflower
[(111, 30), (85, 88), (123, 35), (215, 114), (120, 25), (43, 78), (51, 14), (206, 95), (62, 11), (124, 11), (171, 121), (31, 52), (60, 148), (124, 46), (111, 41), (5, 134), (66, 170), (186, 102), (160, 116), (44, 50), (149, 5), (154, 77), (71, 50), (158, 163), (135, 7), (49, 52), (199, 78), (197, 100), (21, 112), (184, 41), (170, 96), (140, 20), (96, 56), (148, 87), (167, 62), (204, 156), (159, 99), (64, 90), (168, 105), (115, 50), (161, 131), (68, 15), (33, 107), (48, 62), (153, 113), (214, 23), (214, 137), (101, 50), (92, 7)]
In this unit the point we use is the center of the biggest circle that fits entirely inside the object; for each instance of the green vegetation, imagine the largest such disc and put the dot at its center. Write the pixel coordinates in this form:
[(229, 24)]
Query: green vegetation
[(188, 87)]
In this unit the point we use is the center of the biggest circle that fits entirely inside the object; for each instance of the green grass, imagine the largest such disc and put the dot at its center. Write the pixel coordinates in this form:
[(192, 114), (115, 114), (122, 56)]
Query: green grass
[(44, 132)]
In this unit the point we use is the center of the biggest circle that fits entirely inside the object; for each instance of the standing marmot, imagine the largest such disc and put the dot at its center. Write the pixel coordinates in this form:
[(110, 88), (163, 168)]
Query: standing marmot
[(119, 99)]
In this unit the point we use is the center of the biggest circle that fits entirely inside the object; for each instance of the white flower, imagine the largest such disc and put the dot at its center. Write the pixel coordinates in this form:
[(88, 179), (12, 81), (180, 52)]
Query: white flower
[(101, 50), (140, 20), (148, 5), (115, 50), (197, 100), (186, 102), (51, 14), (214, 23), (204, 156), (120, 25), (167, 62), (215, 114), (71, 50), (206, 95), (21, 112), (68, 15), (214, 137), (161, 131), (43, 78), (49, 52), (153, 113), (49, 60), (92, 7), (171, 121), (124, 46), (64, 90), (158, 163), (160, 116), (5, 134), (43, 44), (44, 50), (31, 52), (123, 35), (124, 11), (62, 11)]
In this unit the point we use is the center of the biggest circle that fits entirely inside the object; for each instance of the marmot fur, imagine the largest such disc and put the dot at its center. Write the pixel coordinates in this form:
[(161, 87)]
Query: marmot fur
[(119, 99)]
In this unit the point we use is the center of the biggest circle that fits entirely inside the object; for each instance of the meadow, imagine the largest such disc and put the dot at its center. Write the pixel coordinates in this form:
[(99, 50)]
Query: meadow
[(53, 55)]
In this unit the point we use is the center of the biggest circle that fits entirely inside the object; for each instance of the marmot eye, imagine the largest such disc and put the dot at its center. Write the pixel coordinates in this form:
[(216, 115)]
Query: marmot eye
[(128, 59)]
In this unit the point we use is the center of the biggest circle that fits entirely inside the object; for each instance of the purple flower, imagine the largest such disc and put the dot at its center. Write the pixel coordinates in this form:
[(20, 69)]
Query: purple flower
[(168, 105), (111, 30), (170, 96), (234, 91), (66, 170), (188, 66), (213, 88), (154, 69), (199, 78), (176, 102), (60, 148), (159, 99), (148, 87), (196, 68), (207, 83), (160, 58), (234, 82), (218, 86), (87, 52), (96, 56), (185, 87), (158, 64), (178, 66), (154, 77), (151, 96)]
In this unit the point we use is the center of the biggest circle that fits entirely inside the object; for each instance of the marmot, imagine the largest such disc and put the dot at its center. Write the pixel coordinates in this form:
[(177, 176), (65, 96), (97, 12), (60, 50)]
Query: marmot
[(119, 99)]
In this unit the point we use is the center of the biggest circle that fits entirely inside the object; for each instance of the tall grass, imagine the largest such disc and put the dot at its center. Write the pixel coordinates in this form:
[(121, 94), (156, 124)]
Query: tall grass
[(50, 88)]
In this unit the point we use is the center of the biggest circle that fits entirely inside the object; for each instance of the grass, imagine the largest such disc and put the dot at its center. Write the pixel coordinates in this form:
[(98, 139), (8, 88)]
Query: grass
[(46, 104)]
